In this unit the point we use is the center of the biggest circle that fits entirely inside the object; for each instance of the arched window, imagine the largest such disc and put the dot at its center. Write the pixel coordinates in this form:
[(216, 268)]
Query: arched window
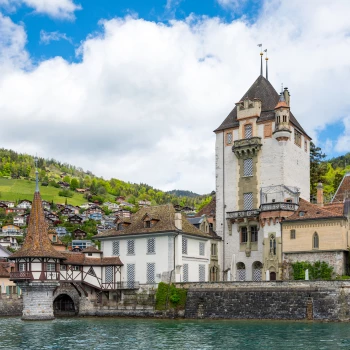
[(272, 245), (257, 271), (315, 241), (240, 271)]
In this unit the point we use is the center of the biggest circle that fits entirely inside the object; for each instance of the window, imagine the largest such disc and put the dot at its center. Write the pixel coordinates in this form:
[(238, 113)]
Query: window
[(50, 267), (151, 273), (273, 245), (289, 200), (297, 138), (240, 271), (185, 272), (63, 267), (292, 234), (184, 245), (229, 138), (254, 233), (109, 274), (151, 246), (201, 248), (131, 247), (75, 268), (89, 254), (201, 273), (278, 119), (147, 224), (248, 167), (315, 241), (284, 119), (301, 213), (305, 146), (244, 235), (116, 248), (248, 131), (214, 249), (248, 201), (120, 226), (54, 238), (21, 267)]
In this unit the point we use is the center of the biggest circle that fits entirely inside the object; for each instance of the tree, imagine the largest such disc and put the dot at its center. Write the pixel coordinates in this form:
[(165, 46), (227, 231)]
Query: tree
[(74, 184), (317, 168)]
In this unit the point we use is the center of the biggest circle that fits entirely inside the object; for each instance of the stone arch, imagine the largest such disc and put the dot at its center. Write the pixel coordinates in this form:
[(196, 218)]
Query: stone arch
[(72, 291), (257, 271), (63, 305), (241, 273)]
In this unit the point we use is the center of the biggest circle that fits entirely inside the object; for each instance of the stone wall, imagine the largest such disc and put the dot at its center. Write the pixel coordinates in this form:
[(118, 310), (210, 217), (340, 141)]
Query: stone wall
[(295, 300), (11, 307)]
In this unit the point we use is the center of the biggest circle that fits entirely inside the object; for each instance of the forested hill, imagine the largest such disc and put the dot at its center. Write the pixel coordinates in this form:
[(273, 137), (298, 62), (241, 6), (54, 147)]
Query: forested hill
[(21, 166), (181, 193), (330, 172)]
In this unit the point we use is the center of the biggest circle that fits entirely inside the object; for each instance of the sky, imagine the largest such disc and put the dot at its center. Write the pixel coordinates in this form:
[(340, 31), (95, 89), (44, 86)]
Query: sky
[(133, 89)]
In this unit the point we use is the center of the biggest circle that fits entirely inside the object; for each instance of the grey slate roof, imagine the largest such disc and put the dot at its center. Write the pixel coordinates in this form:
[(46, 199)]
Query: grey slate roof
[(263, 90), (195, 220)]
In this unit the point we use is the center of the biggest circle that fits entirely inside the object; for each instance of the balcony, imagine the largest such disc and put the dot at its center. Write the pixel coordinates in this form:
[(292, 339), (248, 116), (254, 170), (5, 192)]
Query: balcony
[(279, 206), (121, 285), (242, 214), (21, 275), (246, 147)]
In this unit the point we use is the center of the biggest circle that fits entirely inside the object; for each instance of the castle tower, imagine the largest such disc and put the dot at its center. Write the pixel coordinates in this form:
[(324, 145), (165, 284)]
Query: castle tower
[(262, 167), (37, 266)]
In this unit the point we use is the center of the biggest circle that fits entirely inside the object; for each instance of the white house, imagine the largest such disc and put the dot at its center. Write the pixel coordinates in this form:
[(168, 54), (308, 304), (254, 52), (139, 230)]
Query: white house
[(158, 244), (25, 204), (19, 220)]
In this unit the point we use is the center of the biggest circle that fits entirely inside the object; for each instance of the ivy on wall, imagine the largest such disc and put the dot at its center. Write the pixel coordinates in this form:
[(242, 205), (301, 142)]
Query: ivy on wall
[(319, 270), (176, 297)]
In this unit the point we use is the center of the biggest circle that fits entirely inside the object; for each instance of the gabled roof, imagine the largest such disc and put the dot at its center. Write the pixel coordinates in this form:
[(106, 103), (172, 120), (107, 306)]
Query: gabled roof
[(312, 211), (91, 249), (264, 91), (37, 242), (165, 214), (343, 191), (79, 258)]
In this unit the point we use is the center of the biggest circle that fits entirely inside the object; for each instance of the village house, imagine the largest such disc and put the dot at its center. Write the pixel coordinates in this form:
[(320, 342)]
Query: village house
[(157, 245), (55, 241), (318, 232), (126, 204), (16, 211), (111, 206), (75, 219), (8, 288), (95, 216), (11, 230), (75, 209), (25, 204), (122, 213), (61, 231), (51, 217), (66, 211), (3, 205), (81, 190), (9, 204), (46, 205), (95, 209), (79, 233), (79, 245), (144, 203), (20, 220), (9, 242)]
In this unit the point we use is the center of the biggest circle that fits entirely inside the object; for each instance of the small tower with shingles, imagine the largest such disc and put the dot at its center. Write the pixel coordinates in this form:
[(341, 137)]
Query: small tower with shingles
[(37, 265)]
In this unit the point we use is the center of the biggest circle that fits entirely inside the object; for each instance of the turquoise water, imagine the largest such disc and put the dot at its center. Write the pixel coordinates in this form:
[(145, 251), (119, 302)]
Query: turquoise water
[(122, 333)]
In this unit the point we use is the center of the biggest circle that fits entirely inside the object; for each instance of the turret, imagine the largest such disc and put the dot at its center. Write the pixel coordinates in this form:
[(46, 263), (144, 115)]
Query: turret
[(282, 130)]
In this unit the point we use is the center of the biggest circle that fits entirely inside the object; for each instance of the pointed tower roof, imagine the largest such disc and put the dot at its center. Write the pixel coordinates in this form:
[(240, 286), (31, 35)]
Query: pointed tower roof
[(263, 90), (281, 102), (37, 242)]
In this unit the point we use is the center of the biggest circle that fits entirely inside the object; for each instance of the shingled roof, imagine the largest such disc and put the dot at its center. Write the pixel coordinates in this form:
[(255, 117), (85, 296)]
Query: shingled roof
[(264, 91), (37, 242), (79, 258), (165, 215), (309, 211), (209, 209), (343, 191)]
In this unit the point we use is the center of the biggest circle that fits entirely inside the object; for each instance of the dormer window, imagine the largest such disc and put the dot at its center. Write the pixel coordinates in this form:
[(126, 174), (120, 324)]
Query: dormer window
[(147, 224), (301, 213), (120, 226)]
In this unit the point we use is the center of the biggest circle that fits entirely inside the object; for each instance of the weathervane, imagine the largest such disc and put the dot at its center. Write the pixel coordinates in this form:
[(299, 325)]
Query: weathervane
[(261, 55)]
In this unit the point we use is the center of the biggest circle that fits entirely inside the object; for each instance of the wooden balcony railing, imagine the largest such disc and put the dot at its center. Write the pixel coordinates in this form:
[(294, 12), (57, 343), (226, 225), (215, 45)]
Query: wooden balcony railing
[(21, 275)]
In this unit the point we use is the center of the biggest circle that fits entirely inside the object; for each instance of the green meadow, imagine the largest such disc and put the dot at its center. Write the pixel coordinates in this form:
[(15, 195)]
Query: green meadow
[(14, 189)]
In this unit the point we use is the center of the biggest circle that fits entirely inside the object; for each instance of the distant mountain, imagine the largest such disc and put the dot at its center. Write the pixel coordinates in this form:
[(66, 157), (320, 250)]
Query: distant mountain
[(182, 193)]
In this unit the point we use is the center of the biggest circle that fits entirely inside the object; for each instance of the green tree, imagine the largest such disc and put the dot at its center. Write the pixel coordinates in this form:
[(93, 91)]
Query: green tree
[(74, 184), (317, 168)]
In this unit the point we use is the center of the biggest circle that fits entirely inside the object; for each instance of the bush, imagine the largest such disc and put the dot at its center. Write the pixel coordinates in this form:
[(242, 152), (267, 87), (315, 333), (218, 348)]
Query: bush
[(65, 193), (319, 270), (176, 297)]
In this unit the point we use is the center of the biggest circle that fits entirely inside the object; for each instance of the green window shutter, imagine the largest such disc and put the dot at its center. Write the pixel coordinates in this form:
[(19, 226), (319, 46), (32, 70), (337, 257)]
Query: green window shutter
[(7, 290), (18, 290)]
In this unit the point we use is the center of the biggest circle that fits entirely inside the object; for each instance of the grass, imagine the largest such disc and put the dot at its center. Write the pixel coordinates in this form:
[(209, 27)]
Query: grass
[(14, 189)]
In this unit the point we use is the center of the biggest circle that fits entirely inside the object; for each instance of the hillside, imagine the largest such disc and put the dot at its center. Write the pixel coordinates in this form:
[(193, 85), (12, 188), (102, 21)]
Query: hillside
[(17, 173), (181, 193)]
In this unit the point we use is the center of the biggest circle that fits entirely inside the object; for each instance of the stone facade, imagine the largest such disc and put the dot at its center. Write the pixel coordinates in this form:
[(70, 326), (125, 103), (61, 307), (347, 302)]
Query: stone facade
[(298, 300), (38, 299), (11, 307)]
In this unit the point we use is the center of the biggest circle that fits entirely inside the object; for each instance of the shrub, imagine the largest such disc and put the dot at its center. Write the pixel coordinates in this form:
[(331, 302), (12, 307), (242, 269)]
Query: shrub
[(65, 193), (319, 270), (176, 297)]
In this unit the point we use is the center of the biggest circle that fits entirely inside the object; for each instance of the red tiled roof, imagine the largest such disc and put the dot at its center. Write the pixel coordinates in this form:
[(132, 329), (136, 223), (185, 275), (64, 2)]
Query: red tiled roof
[(91, 249), (79, 258), (337, 208), (312, 211), (4, 269)]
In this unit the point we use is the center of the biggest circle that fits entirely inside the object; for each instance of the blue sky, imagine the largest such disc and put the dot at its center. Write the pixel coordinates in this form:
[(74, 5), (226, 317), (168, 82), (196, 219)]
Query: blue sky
[(133, 89)]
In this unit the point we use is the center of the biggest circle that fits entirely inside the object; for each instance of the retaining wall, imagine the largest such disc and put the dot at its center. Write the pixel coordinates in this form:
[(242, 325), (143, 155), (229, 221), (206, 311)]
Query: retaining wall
[(11, 307)]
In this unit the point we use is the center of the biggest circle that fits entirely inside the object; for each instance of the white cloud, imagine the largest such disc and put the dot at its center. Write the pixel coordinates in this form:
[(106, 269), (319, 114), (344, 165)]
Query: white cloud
[(142, 103), (62, 9), (343, 142), (231, 4), (47, 37)]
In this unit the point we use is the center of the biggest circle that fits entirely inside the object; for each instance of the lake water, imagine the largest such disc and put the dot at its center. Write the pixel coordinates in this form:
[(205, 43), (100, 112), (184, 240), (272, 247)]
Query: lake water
[(123, 333)]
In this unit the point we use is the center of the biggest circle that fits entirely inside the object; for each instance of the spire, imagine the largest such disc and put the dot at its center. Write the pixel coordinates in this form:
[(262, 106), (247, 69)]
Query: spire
[(36, 175), (266, 59), (37, 242), (261, 60)]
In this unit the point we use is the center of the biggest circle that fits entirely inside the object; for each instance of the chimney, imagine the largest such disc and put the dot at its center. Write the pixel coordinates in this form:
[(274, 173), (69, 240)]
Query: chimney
[(178, 221), (286, 96), (320, 194)]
